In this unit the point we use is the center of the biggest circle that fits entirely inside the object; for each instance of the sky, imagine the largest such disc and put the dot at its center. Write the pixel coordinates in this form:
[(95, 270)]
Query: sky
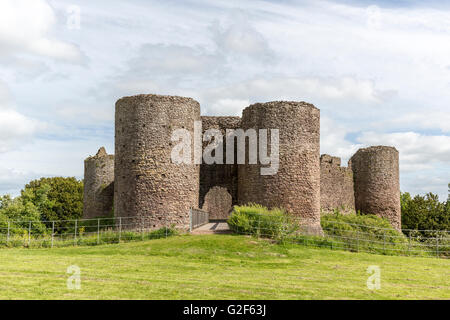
[(378, 71)]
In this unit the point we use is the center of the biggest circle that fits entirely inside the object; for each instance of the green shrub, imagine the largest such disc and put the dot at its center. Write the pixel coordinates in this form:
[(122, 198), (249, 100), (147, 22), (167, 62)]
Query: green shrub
[(57, 199), (425, 213), (370, 233), (370, 226), (254, 219), (19, 212)]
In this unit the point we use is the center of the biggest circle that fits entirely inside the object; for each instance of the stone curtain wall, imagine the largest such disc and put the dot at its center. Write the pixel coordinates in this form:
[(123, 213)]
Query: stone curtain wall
[(296, 186), (218, 203), (223, 175), (377, 184), (148, 186), (98, 195), (336, 186)]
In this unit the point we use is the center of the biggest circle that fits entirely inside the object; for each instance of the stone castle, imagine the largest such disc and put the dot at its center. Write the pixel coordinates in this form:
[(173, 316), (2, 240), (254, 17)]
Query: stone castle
[(141, 182)]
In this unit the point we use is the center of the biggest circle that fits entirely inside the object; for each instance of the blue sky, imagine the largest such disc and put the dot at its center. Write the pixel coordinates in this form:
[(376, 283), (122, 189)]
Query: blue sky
[(379, 72)]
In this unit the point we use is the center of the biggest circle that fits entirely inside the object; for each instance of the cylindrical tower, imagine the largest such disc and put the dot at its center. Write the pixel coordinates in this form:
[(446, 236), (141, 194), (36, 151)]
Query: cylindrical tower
[(98, 185), (377, 183), (148, 186), (296, 185)]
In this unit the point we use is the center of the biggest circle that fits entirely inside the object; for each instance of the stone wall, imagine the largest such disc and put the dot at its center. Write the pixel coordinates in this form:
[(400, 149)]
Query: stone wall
[(222, 175), (148, 186), (377, 184), (218, 202), (336, 186), (296, 186), (98, 195)]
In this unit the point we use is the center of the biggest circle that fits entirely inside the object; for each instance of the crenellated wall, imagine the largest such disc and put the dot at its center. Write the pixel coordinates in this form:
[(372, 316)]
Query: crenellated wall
[(336, 186)]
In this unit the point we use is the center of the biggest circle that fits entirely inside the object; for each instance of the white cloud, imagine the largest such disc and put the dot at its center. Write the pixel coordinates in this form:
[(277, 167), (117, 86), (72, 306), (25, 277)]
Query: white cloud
[(12, 180), (417, 152), (333, 140), (25, 27), (240, 37), (160, 59), (222, 107), (431, 120), (15, 128), (47, 158), (311, 89)]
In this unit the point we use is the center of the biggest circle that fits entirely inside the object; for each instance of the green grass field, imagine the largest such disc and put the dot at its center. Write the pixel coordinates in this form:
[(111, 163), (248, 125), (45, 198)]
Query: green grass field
[(216, 267)]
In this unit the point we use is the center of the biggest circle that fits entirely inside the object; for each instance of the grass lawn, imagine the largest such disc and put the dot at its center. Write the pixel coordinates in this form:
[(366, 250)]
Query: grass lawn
[(216, 267)]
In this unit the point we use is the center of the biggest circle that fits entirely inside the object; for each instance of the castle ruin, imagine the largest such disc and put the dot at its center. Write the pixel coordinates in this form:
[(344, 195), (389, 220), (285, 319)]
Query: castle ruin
[(152, 190), (98, 196)]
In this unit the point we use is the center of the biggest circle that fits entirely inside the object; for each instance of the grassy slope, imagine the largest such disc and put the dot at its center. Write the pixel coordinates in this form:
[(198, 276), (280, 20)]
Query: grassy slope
[(216, 267)]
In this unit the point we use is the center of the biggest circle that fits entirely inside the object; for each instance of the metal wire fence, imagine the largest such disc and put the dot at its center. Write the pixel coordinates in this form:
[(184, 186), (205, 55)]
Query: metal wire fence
[(348, 236), (336, 234), (80, 232)]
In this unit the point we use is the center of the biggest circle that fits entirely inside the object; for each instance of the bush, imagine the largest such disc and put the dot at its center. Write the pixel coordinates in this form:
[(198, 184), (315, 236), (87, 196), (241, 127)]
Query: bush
[(370, 226), (19, 212), (254, 219), (57, 199), (370, 233), (425, 213)]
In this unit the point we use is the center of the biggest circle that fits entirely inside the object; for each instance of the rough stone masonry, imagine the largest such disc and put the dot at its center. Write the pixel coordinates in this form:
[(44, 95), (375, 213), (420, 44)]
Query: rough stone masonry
[(155, 192), (98, 194)]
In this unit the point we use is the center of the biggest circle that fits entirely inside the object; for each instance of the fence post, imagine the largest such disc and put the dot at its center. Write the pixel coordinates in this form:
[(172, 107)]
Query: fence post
[(357, 241), (259, 226), (166, 224), (437, 246), (98, 231), (409, 244), (7, 238), (53, 231), (120, 229), (29, 234), (75, 234), (190, 220), (384, 242)]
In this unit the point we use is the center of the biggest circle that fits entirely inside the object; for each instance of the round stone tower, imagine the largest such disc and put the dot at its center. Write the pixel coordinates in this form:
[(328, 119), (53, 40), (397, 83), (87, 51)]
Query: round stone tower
[(148, 186), (98, 185), (296, 185), (376, 182)]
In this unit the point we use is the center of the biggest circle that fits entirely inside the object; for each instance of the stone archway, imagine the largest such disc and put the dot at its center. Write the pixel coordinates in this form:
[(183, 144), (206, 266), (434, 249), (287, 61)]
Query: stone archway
[(218, 202)]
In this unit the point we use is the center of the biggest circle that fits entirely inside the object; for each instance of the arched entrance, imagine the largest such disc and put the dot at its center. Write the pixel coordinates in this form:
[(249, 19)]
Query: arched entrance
[(218, 202)]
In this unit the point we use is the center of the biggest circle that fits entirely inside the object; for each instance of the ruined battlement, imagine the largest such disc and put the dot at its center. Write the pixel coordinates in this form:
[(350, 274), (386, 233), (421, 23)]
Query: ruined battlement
[(336, 185), (98, 185)]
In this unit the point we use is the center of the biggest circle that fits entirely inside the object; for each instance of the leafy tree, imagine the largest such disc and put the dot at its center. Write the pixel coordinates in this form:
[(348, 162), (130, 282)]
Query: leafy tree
[(425, 213), (19, 212), (56, 198)]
